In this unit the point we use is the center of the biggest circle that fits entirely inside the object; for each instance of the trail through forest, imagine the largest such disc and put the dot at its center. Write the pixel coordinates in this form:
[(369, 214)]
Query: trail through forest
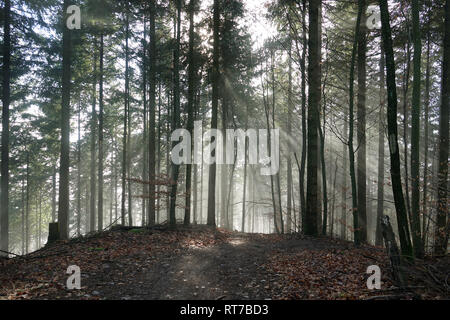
[(196, 263)]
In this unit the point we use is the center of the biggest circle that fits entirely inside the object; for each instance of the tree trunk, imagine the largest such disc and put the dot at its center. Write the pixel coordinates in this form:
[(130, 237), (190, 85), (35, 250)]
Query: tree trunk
[(381, 133), (175, 117), (125, 133), (356, 225), (127, 99), (304, 117), (289, 133), (151, 118), (415, 135), (406, 76), (23, 216), (361, 123), (426, 137), (6, 77), (93, 140), (54, 194), (191, 101), (402, 220), (100, 142), (442, 213), (310, 227), (63, 209), (79, 173), (211, 221), (344, 184), (145, 154), (27, 210)]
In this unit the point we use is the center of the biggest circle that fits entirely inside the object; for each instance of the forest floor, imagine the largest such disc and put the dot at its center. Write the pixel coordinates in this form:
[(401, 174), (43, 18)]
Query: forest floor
[(198, 263)]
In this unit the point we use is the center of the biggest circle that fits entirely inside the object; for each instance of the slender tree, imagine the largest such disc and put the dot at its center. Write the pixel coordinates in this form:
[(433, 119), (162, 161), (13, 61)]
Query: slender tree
[(152, 106), (191, 98), (175, 115), (6, 77), (361, 125), (442, 210), (93, 178), (63, 208), (397, 189), (415, 134), (211, 221), (381, 133), (100, 141), (312, 191)]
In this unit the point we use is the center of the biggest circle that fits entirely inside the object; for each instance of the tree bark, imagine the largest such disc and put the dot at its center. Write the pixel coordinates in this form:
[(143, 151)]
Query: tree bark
[(211, 221), (6, 77), (175, 117), (191, 100), (79, 173), (442, 230), (304, 117), (152, 108), (100, 142), (93, 140), (415, 134), (310, 227), (145, 154), (361, 124), (381, 133), (402, 220), (356, 225), (63, 208)]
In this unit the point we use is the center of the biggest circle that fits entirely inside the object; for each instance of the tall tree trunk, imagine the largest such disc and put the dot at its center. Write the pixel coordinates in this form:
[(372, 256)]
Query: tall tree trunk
[(125, 130), (211, 221), (27, 210), (145, 154), (127, 97), (351, 152), (6, 77), (304, 117), (191, 98), (310, 227), (402, 219), (361, 135), (334, 198), (245, 173), (279, 216), (175, 116), (40, 220), (426, 137), (415, 135), (100, 142), (324, 177), (442, 213), (381, 133), (93, 178), (406, 76), (54, 194), (343, 230), (63, 208), (151, 118), (23, 216), (158, 162), (79, 173), (289, 133)]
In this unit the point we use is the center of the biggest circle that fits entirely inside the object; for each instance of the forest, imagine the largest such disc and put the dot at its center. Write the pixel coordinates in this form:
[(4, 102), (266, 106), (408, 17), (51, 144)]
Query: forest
[(224, 149)]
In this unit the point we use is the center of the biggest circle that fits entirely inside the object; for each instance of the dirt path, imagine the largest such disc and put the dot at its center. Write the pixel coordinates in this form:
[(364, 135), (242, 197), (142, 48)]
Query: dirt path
[(230, 270)]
